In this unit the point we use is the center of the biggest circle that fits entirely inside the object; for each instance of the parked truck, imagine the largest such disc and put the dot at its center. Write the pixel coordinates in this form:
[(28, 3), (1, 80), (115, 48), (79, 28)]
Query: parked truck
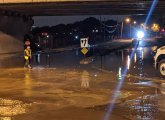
[(159, 60)]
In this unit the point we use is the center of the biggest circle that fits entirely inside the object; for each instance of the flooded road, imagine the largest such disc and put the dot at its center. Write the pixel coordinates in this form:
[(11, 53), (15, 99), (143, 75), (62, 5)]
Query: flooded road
[(11, 108), (138, 62), (64, 83)]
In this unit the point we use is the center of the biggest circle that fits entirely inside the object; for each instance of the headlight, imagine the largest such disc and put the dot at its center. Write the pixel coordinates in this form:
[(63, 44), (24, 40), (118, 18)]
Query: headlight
[(140, 35)]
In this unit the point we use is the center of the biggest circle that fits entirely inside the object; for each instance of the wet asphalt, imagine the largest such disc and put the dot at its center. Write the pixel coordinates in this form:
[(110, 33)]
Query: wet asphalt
[(68, 86)]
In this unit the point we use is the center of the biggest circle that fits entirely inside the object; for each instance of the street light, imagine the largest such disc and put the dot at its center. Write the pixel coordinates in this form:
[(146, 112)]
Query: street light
[(127, 20), (134, 22), (155, 27), (142, 25), (76, 37)]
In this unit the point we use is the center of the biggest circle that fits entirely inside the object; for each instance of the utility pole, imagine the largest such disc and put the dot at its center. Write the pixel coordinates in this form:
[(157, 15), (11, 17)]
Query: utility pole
[(118, 28), (130, 30), (100, 25), (121, 30), (101, 28), (104, 29)]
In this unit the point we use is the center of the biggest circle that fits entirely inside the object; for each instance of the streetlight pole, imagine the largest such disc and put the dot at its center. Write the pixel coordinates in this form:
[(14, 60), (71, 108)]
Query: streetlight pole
[(130, 30), (121, 30), (127, 20), (104, 29)]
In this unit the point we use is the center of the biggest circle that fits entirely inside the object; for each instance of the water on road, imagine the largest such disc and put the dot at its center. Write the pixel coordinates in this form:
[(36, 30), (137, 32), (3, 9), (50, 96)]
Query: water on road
[(63, 83)]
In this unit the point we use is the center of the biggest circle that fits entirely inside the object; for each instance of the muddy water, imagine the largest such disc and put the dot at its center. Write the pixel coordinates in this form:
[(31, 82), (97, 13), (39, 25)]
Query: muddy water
[(140, 63), (10, 108), (150, 107), (137, 62)]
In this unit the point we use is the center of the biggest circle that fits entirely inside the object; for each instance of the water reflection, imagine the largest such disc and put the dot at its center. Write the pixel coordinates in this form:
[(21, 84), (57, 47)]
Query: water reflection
[(85, 79), (128, 62), (120, 73), (111, 62), (135, 57), (28, 83), (77, 52), (140, 64), (138, 57), (143, 108), (38, 59), (6, 118), (122, 55), (148, 107), (141, 52)]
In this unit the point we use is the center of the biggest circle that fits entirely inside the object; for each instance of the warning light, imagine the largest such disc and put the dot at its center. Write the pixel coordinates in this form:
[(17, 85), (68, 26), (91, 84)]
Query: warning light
[(44, 33), (163, 30)]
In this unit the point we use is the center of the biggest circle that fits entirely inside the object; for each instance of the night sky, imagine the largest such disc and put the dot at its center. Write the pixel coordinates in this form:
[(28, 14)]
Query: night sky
[(55, 20)]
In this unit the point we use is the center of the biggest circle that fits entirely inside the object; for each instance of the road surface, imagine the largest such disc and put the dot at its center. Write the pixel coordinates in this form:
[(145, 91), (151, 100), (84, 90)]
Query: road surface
[(60, 88)]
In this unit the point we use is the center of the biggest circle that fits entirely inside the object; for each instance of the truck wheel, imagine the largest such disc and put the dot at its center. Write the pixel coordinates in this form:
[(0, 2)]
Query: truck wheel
[(161, 68)]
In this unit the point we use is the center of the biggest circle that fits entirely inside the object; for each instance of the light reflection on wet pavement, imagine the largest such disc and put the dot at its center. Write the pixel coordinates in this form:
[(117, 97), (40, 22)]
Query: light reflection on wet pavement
[(11, 108), (141, 65), (59, 81), (148, 107)]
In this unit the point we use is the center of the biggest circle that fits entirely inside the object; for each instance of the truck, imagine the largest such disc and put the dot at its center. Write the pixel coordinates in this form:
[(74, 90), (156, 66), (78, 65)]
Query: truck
[(159, 61)]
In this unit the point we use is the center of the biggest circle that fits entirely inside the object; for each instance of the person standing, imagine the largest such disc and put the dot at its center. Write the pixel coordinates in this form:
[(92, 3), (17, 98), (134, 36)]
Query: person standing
[(27, 57)]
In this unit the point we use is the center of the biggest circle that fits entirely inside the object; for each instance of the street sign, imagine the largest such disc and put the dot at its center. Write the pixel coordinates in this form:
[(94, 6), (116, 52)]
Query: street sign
[(84, 50), (84, 42), (155, 27)]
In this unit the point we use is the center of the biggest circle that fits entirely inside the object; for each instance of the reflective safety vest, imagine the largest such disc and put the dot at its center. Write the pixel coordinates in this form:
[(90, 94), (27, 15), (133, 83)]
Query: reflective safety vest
[(27, 54)]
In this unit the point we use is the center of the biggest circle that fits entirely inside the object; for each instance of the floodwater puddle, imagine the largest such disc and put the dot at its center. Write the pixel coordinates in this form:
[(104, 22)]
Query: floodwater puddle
[(11, 108), (149, 107)]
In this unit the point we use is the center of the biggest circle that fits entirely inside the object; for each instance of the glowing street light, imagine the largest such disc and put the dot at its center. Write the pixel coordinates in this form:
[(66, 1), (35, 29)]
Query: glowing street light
[(76, 37), (127, 20), (134, 22)]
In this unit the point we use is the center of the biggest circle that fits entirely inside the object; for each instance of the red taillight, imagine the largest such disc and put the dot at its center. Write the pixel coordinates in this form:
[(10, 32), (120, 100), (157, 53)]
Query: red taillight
[(163, 30)]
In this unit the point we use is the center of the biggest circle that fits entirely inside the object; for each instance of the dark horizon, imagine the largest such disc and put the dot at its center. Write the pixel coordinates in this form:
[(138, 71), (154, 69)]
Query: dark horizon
[(41, 21)]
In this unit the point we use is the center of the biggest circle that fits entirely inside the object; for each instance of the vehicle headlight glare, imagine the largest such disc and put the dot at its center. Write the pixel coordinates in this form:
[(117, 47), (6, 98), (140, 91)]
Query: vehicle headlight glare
[(140, 34)]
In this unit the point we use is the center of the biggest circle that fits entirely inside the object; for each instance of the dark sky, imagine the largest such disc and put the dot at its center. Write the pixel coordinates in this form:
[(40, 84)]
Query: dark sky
[(54, 20)]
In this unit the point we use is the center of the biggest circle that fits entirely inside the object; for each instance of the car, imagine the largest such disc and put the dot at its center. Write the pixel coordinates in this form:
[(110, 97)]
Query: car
[(159, 61)]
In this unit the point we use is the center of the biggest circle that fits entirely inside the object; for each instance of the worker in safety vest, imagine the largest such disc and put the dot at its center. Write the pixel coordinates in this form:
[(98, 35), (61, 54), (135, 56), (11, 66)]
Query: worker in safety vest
[(27, 57)]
